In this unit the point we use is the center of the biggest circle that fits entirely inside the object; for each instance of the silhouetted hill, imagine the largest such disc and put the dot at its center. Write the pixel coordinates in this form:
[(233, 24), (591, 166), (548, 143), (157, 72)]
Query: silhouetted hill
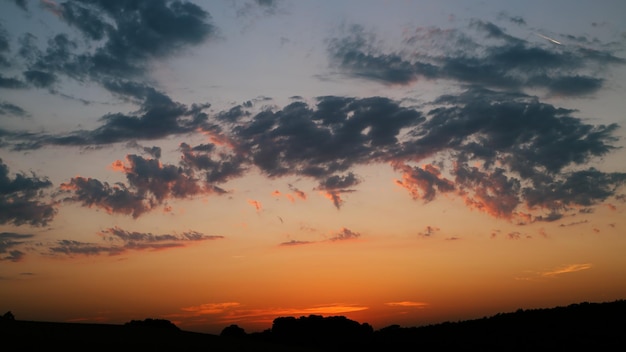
[(587, 326)]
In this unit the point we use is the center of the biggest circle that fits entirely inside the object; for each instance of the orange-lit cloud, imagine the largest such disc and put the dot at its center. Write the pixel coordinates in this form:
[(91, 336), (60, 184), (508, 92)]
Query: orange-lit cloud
[(295, 194), (423, 182), (567, 269), (409, 304), (234, 311), (572, 268), (256, 204), (211, 308)]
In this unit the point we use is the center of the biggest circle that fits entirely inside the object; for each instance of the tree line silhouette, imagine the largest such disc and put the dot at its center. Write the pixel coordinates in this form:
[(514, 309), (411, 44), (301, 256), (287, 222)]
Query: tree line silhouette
[(597, 326), (593, 326)]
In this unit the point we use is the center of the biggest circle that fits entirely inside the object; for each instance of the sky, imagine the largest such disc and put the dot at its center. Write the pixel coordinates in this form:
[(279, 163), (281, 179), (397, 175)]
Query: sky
[(230, 162)]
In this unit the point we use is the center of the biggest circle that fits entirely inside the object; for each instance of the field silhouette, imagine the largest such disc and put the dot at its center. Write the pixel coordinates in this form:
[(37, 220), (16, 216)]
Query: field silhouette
[(593, 326)]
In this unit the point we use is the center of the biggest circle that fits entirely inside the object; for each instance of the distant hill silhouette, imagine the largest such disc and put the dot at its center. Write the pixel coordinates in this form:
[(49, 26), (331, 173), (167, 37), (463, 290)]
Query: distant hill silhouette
[(587, 326)]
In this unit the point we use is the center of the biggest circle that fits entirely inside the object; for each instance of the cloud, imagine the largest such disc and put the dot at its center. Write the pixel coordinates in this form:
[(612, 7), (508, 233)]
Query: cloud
[(211, 308), (22, 4), (9, 240), (572, 268), (551, 274), (150, 184), (158, 117), (119, 42), (407, 304), (423, 182), (295, 194), (235, 311), (11, 109), (133, 33), (218, 167), (482, 54), (429, 231), (502, 153), (22, 199), (295, 243), (119, 241), (256, 204), (334, 186), (71, 248), (345, 234)]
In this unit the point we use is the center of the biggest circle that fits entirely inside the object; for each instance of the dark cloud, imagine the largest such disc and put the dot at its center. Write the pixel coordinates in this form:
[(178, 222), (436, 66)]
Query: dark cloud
[(295, 243), (150, 185), (115, 199), (157, 117), (4, 47), (326, 140), (134, 32), (71, 248), (152, 151), (10, 109), (9, 240), (145, 240), (22, 199), (482, 55), (39, 79), (11, 83), (121, 39), (217, 169), (22, 4), (345, 234), (120, 241), (497, 150), (579, 188)]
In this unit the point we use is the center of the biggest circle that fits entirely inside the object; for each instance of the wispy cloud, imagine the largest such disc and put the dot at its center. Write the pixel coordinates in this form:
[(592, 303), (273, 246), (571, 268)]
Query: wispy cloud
[(230, 312), (572, 268), (117, 241), (407, 304), (344, 234), (554, 273)]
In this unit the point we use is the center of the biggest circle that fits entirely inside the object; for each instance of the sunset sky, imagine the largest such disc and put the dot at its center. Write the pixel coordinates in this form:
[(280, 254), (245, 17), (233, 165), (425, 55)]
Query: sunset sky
[(229, 162)]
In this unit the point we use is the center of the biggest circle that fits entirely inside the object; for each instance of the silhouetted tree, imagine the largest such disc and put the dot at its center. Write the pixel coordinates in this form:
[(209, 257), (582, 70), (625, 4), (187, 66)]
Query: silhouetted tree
[(8, 316), (330, 333), (233, 331), (153, 323)]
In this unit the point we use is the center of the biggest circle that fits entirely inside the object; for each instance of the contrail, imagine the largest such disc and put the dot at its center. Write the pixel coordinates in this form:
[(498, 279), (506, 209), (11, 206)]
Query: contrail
[(548, 38)]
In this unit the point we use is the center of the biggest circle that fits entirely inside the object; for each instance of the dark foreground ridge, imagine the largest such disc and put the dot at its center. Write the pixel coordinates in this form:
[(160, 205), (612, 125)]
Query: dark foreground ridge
[(592, 326)]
